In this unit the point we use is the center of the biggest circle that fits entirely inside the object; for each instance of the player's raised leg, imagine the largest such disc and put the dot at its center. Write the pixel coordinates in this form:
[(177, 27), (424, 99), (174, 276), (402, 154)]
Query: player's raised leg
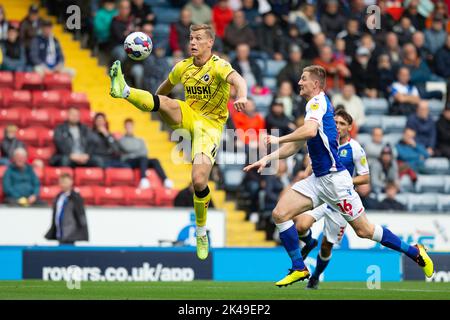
[(144, 100), (291, 204), (365, 229), (323, 258), (201, 169)]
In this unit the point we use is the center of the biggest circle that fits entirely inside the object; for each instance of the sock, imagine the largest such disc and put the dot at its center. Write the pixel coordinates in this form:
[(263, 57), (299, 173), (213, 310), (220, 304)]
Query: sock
[(384, 236), (142, 99), (201, 202), (307, 238), (321, 264), (201, 231), (289, 239)]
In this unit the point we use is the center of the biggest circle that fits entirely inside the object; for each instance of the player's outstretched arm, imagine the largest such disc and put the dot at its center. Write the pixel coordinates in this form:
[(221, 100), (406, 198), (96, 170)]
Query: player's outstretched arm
[(239, 83), (363, 179), (165, 88), (285, 151), (307, 131)]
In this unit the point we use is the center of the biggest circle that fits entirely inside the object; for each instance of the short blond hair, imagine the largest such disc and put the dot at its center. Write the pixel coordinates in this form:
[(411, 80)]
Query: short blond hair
[(318, 72), (208, 29)]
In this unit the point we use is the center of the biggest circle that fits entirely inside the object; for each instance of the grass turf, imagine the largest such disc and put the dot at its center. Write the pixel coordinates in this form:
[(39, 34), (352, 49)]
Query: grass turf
[(209, 290)]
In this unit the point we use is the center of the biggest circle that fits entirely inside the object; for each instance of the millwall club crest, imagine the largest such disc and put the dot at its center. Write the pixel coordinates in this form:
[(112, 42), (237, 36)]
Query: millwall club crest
[(343, 153), (206, 77)]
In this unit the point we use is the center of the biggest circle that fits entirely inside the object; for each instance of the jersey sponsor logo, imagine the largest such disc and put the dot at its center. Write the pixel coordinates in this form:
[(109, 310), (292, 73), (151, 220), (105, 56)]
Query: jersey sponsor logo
[(363, 161), (314, 106), (343, 153), (206, 77), (198, 89)]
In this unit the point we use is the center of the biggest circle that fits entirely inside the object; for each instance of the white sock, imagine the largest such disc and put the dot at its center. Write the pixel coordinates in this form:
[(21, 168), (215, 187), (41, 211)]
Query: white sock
[(324, 259), (377, 233), (284, 225), (306, 233), (201, 231), (126, 91)]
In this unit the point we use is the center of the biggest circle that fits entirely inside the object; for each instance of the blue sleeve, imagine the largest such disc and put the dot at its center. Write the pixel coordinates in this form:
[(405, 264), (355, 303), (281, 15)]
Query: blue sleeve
[(35, 182), (8, 186)]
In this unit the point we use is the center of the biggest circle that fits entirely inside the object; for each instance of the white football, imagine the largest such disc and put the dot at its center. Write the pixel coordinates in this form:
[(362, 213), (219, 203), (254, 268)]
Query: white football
[(138, 46)]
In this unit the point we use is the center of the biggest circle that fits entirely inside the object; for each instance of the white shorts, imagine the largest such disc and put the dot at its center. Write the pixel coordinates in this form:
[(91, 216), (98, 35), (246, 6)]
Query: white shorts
[(334, 189), (334, 224)]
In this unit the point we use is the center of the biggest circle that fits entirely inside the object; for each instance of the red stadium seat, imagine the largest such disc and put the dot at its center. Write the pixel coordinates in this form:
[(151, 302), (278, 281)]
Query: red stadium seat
[(6, 79), (152, 176), (44, 153), (36, 136), (41, 117), (47, 99), (109, 196), (87, 193), (89, 176), (59, 116), (51, 174), (75, 99), (28, 80), (2, 132), (16, 98), (39, 173), (1, 192), (119, 177), (165, 197), (54, 81), (49, 193), (18, 116), (139, 197)]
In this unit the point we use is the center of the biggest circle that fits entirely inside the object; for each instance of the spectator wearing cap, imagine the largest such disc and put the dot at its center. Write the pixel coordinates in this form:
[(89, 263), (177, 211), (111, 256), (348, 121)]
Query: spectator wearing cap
[(20, 183), (293, 69), (390, 203), (248, 68), (332, 21), (30, 27), (239, 31), (363, 74), (411, 153), (9, 144), (352, 104), (424, 126), (336, 70), (383, 169), (404, 96), (201, 12), (46, 52), (443, 133), (69, 223), (435, 37), (14, 58), (3, 24)]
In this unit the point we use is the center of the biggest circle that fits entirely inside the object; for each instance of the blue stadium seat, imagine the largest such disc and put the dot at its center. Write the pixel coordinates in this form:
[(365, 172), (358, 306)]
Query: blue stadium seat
[(271, 83), (166, 15), (161, 30), (262, 64), (444, 203), (392, 138), (262, 102), (447, 184), (378, 106), (393, 124), (371, 122), (423, 202), (437, 166), (403, 198), (232, 178), (364, 139), (429, 183), (436, 106), (231, 159), (406, 184), (274, 67)]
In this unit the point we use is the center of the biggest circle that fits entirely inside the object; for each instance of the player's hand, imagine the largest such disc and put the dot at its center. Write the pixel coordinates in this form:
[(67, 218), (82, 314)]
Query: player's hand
[(240, 104), (259, 165), (271, 140)]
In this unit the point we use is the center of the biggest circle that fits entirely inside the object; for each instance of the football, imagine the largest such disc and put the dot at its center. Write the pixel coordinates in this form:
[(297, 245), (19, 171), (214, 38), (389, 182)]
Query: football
[(138, 46)]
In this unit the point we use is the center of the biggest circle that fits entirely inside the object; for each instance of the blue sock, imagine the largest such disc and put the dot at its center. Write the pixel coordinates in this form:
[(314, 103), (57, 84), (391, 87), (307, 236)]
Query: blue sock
[(320, 266), (390, 240), (289, 239), (307, 239)]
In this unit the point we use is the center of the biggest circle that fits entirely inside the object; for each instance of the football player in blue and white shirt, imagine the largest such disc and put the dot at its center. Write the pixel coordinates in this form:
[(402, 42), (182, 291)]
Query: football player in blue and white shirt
[(353, 157), (330, 182)]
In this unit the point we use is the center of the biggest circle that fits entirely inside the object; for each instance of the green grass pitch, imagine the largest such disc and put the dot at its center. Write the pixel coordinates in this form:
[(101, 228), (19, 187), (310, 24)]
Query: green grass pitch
[(209, 290)]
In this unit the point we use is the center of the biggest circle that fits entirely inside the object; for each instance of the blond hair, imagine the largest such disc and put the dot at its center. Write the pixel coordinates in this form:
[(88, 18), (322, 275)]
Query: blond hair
[(318, 72), (208, 29)]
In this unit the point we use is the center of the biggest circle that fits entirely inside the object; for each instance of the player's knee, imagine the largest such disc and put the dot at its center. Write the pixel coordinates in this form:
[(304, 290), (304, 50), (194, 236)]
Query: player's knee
[(302, 226), (277, 215), (199, 181), (363, 232)]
